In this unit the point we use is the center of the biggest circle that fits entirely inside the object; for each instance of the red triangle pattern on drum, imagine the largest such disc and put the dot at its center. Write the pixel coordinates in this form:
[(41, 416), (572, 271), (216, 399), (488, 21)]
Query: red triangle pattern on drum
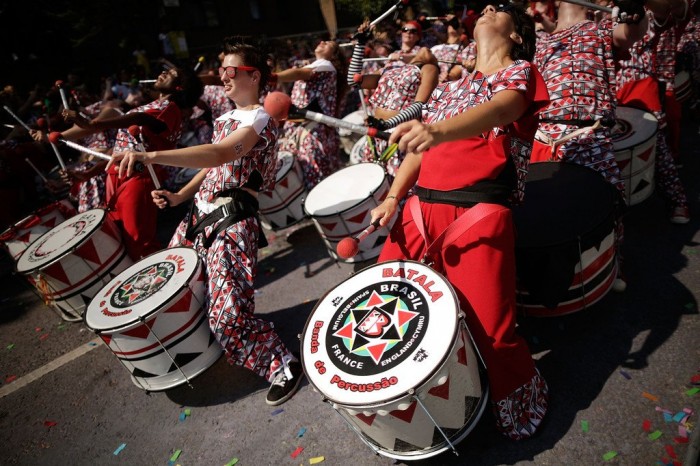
[(142, 331), (284, 182), (328, 226), (183, 305), (88, 252), (462, 356), (267, 194), (107, 339), (50, 222), (377, 351), (441, 391), (24, 237), (405, 415), (622, 164), (374, 300), (359, 218), (57, 272), (366, 419), (647, 153)]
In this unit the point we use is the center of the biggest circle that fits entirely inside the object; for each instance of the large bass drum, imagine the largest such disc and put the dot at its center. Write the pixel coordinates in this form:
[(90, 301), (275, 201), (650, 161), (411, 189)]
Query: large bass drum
[(634, 142)]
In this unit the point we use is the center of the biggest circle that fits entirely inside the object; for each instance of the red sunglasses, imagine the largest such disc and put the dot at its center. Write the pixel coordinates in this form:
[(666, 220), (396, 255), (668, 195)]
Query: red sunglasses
[(232, 70)]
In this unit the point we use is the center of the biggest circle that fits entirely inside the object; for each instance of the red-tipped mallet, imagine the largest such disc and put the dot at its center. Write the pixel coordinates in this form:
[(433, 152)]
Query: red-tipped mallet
[(350, 246), (55, 138), (279, 106), (388, 12), (135, 131), (64, 97)]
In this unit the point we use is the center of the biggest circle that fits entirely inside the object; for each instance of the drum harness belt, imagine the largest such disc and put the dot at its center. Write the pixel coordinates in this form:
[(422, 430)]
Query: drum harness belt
[(455, 230), (234, 205), (584, 127)]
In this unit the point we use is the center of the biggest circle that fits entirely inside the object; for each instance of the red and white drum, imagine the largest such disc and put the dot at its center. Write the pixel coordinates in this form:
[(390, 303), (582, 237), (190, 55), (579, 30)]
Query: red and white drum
[(20, 235), (634, 142), (72, 261), (283, 206), (682, 86), (347, 137), (565, 243), (151, 316), (389, 350), (340, 206), (357, 151)]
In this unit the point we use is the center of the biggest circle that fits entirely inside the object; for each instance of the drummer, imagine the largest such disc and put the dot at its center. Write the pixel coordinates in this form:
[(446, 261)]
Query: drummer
[(473, 146), (224, 226)]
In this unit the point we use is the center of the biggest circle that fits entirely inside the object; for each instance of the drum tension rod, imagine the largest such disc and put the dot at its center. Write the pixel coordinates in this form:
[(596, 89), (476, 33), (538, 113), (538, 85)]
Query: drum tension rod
[(452, 447), (353, 427)]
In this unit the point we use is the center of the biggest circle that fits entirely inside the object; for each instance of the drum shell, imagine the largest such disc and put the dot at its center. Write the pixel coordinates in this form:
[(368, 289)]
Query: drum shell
[(283, 206), (71, 279), (682, 87), (347, 137), (146, 345), (562, 272), (635, 154), (352, 217)]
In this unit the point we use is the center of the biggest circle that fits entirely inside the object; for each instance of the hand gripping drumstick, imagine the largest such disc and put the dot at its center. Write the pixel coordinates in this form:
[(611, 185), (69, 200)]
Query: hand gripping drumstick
[(398, 4), (279, 106), (55, 138), (64, 97), (350, 246), (135, 131)]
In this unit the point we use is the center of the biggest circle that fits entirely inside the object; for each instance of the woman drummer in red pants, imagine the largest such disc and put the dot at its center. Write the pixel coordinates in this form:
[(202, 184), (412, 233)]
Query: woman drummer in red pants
[(469, 156)]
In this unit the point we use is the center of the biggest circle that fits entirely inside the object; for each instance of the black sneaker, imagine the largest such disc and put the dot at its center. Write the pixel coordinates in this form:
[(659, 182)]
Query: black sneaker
[(282, 388)]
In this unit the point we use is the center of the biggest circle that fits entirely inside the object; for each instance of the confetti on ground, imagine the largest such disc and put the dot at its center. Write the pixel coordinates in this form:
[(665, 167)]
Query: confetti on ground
[(92, 343), (671, 452), (38, 329), (316, 460), (693, 391), (232, 462), (646, 425), (680, 439), (297, 452), (584, 426), (50, 423), (119, 449), (188, 412), (182, 417), (650, 396), (655, 435), (277, 411), (301, 432), (175, 456), (609, 455), (10, 346), (44, 337), (10, 378), (695, 380), (625, 374), (668, 417), (679, 416), (62, 327)]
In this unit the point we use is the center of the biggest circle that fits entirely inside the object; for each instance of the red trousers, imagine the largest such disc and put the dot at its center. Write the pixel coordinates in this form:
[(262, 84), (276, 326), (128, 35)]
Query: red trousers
[(131, 207), (480, 265)]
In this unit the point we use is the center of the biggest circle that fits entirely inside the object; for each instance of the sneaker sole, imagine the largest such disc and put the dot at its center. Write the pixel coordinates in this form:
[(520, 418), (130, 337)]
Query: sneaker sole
[(288, 395)]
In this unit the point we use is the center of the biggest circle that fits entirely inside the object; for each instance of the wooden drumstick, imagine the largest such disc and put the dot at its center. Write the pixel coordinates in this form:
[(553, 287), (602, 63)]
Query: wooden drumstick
[(350, 246), (55, 138), (17, 119), (64, 97), (388, 12)]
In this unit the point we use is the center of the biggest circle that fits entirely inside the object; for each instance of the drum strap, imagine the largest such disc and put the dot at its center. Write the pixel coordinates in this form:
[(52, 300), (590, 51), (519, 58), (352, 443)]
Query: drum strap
[(456, 229), (554, 143)]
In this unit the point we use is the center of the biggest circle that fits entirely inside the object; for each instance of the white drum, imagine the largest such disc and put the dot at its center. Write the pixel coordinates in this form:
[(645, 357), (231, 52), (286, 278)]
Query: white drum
[(283, 206), (388, 348), (634, 142), (71, 262), (151, 317), (357, 151), (340, 206), (682, 86), (347, 137), (16, 238)]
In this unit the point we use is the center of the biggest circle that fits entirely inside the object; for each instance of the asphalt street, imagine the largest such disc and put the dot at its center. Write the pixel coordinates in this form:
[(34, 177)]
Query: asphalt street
[(619, 372)]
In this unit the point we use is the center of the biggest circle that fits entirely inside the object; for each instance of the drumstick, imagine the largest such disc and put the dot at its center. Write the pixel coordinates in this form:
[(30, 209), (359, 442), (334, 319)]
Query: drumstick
[(376, 59), (200, 61), (55, 137), (279, 105), (590, 5), (12, 114), (398, 4), (64, 97), (135, 131), (58, 155), (147, 81), (36, 170), (350, 246)]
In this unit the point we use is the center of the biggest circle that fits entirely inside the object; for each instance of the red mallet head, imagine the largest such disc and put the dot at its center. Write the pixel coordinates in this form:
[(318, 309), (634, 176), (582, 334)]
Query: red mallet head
[(357, 77), (277, 105), (135, 131), (54, 137), (41, 123), (59, 84), (347, 248)]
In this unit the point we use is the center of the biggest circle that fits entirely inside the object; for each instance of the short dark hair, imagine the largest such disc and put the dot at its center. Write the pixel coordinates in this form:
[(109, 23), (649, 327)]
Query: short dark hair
[(525, 27), (189, 88), (251, 55)]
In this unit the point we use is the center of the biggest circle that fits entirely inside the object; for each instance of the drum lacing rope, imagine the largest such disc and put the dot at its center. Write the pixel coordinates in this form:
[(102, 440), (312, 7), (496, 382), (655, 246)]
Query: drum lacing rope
[(456, 229)]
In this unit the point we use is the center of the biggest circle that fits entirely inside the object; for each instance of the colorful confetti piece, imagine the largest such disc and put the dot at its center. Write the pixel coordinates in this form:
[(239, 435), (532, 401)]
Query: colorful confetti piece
[(188, 412), (671, 452), (277, 411), (50, 423), (10, 346), (625, 374), (182, 417), (10, 378), (301, 432), (650, 396), (297, 452), (693, 391), (175, 456), (38, 329), (609, 455), (695, 380), (655, 435), (232, 462), (646, 425), (679, 416), (44, 337), (316, 460), (119, 449), (92, 343), (668, 417), (584, 426), (680, 440)]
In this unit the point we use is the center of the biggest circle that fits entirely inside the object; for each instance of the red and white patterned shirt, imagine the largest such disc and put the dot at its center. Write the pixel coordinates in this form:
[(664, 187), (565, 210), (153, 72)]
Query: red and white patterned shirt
[(452, 53), (397, 88), (322, 86), (217, 100), (640, 64)]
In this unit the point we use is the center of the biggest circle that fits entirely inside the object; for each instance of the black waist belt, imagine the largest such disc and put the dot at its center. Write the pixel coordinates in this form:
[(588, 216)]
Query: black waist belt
[(577, 122), (243, 205), (465, 197)]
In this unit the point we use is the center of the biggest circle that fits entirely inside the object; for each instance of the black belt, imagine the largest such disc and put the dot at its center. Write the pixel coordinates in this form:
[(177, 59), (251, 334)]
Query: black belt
[(243, 205), (577, 122), (465, 197)]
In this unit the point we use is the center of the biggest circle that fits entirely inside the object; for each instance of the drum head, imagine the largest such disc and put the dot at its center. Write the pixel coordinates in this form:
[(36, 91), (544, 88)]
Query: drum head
[(380, 333), (60, 240), (632, 127), (563, 201), (142, 289), (344, 189), (285, 160)]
